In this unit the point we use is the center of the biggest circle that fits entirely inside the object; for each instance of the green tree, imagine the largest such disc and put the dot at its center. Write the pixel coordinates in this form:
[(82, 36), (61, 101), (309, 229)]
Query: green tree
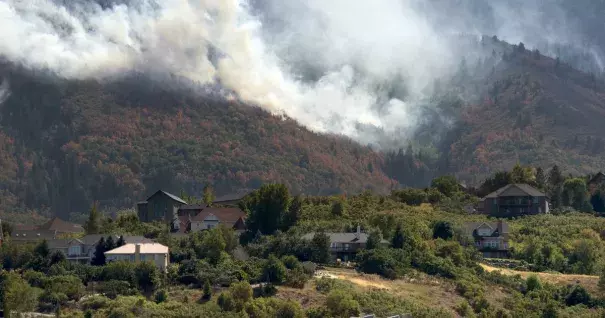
[(42, 249), (447, 185), (98, 258), (291, 217), (555, 185), (274, 271), (213, 244), (161, 296), (540, 178), (147, 276), (339, 207), (533, 283), (374, 240), (521, 174), (320, 248), (398, 239), (93, 224), (207, 289), (121, 241), (443, 230), (16, 294), (242, 293), (575, 194), (266, 207), (342, 304), (208, 195), (109, 243)]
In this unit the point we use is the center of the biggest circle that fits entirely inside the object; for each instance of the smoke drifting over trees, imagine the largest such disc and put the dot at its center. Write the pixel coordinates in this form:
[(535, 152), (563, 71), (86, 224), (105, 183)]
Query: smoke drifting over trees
[(365, 69)]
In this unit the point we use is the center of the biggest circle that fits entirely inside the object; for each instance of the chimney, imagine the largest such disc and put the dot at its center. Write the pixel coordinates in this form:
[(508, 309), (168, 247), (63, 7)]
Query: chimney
[(137, 252), (358, 233), (500, 227), (358, 229)]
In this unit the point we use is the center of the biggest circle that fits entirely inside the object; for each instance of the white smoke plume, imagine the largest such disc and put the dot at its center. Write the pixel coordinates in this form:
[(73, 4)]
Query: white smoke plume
[(330, 64)]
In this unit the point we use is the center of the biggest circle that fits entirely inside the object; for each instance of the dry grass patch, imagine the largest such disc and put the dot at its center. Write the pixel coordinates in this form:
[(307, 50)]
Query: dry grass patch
[(587, 281)]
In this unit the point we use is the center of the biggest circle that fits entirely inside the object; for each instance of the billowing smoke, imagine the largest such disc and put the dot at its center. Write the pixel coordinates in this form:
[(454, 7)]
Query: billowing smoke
[(349, 67)]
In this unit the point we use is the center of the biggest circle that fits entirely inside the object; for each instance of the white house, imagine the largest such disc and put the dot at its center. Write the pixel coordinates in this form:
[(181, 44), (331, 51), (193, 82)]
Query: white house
[(141, 252)]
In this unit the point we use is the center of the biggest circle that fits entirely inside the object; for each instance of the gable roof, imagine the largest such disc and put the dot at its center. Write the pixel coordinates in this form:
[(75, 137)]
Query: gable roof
[(227, 215), (56, 224), (341, 237), (170, 195), (146, 248), (524, 188), (472, 226)]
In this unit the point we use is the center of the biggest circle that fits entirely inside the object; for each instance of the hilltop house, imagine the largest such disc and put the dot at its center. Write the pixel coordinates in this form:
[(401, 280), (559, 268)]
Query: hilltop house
[(82, 250), (344, 246), (514, 200), (140, 252), (183, 217), (491, 238)]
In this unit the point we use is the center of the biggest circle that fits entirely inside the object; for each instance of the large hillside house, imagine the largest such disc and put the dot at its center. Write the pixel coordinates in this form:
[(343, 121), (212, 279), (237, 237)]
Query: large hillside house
[(141, 252), (184, 218), (514, 200), (491, 238), (344, 246), (160, 206), (81, 250)]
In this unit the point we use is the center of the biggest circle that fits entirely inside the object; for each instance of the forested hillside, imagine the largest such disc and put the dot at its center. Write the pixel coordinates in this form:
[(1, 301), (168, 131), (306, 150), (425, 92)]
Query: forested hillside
[(65, 144)]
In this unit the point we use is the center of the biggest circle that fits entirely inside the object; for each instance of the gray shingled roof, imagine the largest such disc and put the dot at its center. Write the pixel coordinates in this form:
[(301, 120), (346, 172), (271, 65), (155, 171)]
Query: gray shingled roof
[(472, 226), (343, 237), (523, 187), (170, 195)]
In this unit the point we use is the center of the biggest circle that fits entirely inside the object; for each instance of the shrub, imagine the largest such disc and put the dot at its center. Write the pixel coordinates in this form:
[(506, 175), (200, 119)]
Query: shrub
[(342, 304), (161, 296), (225, 301), (309, 268), (296, 278), (274, 270), (533, 283), (113, 288), (35, 279), (207, 290), (388, 262), (95, 302), (290, 261)]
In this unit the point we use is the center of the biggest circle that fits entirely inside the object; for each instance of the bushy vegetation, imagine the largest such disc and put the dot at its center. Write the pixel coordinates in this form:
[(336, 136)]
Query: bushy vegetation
[(216, 273)]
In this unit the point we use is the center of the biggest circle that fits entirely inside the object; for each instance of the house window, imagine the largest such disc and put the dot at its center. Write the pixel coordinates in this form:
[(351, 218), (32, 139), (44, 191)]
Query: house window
[(539, 209), (535, 200), (210, 226), (74, 250), (521, 210), (484, 232), (346, 246)]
